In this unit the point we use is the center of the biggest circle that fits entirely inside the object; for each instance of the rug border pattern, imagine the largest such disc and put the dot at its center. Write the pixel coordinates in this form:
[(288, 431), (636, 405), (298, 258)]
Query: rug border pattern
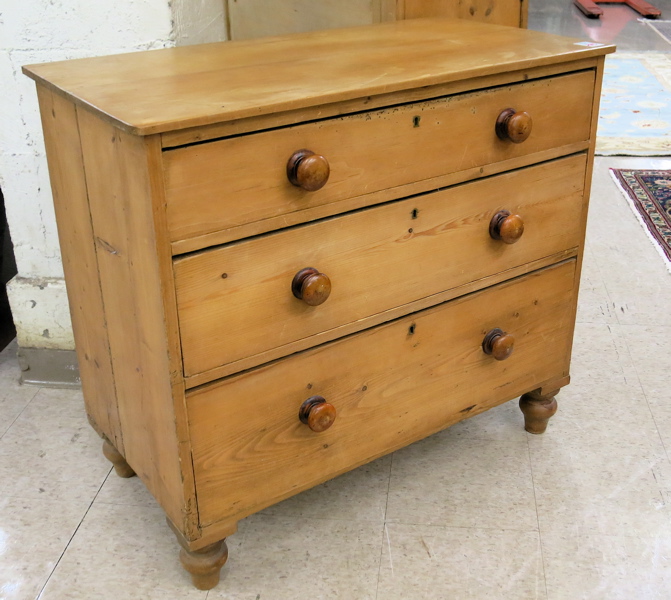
[(645, 207)]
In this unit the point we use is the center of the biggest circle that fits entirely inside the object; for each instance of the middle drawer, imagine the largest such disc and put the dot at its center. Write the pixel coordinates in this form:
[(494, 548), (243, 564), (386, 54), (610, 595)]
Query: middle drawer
[(236, 301)]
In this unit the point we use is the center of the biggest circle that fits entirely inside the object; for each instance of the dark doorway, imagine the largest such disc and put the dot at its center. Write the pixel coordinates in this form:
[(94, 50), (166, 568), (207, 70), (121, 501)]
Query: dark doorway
[(7, 271)]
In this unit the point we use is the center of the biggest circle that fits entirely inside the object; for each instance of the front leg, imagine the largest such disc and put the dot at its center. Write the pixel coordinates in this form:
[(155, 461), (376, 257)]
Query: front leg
[(205, 564), (538, 406)]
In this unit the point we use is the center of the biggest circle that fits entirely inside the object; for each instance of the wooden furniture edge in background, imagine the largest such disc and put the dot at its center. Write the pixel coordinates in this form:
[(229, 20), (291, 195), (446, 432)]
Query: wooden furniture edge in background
[(247, 19)]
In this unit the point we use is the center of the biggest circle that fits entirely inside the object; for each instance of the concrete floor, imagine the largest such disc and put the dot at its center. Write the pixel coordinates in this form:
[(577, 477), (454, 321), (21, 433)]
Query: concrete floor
[(482, 510)]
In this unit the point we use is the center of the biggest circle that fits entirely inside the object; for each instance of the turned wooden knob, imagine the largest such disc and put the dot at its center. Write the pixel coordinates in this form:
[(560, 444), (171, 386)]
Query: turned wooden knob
[(498, 343), (311, 286), (506, 227), (513, 126), (308, 170), (317, 413)]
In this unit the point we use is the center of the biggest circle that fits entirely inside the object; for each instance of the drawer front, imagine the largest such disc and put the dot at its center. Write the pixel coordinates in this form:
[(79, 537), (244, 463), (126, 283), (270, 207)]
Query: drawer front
[(235, 181), (390, 386), (236, 301)]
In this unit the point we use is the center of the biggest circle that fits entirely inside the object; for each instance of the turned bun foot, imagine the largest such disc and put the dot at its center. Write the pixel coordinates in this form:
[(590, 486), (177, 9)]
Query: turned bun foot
[(537, 409), (204, 565), (121, 467)]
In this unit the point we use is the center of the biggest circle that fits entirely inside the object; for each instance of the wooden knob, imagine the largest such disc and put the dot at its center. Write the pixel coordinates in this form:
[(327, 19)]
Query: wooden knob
[(317, 413), (311, 286), (498, 343), (513, 126), (308, 170), (506, 227)]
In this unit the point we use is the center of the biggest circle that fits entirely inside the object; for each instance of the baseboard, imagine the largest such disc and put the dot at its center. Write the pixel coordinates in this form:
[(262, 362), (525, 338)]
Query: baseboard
[(48, 367)]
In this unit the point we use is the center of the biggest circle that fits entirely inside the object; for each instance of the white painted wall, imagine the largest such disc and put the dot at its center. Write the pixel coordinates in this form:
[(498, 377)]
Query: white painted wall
[(35, 31)]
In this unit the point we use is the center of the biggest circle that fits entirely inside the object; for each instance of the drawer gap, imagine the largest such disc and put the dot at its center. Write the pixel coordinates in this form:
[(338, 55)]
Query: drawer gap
[(178, 257), (455, 299)]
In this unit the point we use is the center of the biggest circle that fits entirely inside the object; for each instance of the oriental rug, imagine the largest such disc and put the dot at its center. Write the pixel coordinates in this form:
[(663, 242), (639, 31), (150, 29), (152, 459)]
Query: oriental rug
[(649, 195)]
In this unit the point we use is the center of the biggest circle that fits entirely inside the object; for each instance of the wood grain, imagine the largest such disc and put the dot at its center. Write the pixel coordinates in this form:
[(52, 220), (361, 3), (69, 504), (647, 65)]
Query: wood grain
[(331, 334), (189, 86), (224, 236), (132, 261), (211, 187), (80, 263), (258, 18), (588, 173), (376, 260), (413, 382), (250, 19), (182, 137), (500, 12)]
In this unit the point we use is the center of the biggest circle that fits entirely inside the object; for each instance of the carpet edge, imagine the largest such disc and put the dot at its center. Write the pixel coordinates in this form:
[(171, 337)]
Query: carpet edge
[(639, 217)]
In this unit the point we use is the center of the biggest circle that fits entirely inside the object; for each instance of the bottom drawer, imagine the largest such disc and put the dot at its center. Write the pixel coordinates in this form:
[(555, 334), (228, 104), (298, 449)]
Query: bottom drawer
[(390, 386)]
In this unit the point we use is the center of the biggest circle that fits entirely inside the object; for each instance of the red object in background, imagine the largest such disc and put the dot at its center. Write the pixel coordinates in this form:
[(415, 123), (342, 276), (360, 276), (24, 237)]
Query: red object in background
[(590, 8)]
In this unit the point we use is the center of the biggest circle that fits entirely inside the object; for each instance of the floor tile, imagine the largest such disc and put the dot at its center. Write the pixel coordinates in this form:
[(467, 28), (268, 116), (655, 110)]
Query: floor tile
[(121, 552), (594, 304), (600, 352), (650, 351), (130, 491), (294, 559), (456, 481), (658, 397), (595, 411), (601, 467), (636, 279), (601, 487), (51, 451), (360, 495), (436, 563), (13, 397), (504, 423), (642, 299), (582, 566), (33, 535)]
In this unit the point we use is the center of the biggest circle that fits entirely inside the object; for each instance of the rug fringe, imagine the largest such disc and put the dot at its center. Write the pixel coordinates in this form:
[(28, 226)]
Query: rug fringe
[(614, 147), (640, 220)]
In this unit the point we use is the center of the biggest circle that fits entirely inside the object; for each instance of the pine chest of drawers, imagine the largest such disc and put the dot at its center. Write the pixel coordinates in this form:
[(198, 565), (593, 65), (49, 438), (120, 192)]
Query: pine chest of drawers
[(288, 257)]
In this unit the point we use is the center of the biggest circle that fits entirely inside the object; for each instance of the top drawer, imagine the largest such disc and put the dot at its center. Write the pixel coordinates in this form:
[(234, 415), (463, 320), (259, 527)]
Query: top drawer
[(226, 184)]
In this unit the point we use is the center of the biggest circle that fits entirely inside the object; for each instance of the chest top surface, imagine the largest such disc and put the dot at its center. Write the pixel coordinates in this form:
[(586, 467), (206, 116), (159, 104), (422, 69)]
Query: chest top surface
[(175, 88)]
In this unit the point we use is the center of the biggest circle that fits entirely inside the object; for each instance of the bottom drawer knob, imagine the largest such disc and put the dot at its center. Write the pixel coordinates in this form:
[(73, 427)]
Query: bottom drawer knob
[(498, 344), (317, 413)]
